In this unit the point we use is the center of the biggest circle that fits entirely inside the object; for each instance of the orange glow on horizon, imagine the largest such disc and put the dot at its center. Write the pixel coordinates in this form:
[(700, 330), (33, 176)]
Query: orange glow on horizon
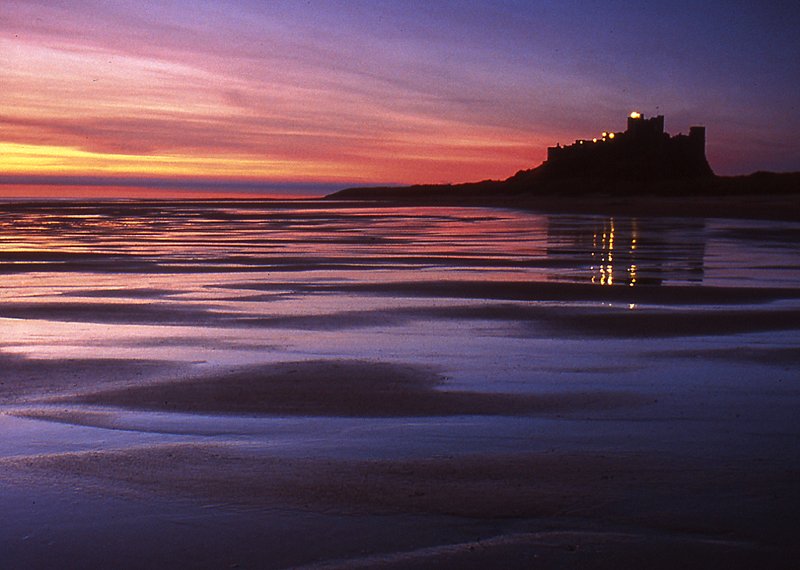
[(45, 159), (397, 163), (400, 93), (113, 192), (89, 110)]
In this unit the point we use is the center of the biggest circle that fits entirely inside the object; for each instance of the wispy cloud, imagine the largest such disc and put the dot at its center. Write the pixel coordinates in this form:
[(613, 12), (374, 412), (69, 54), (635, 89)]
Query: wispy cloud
[(361, 91)]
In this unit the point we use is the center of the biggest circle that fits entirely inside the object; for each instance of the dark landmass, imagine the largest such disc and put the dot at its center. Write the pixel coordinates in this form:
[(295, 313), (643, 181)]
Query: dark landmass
[(527, 188), (763, 195), (641, 171)]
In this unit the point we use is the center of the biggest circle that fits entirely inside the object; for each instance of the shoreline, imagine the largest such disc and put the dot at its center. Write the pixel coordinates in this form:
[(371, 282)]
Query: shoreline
[(781, 205), (772, 207)]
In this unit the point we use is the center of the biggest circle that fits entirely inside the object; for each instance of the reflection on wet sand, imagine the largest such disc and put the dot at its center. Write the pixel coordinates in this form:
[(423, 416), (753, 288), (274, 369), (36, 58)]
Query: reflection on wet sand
[(172, 238), (629, 251), (404, 387)]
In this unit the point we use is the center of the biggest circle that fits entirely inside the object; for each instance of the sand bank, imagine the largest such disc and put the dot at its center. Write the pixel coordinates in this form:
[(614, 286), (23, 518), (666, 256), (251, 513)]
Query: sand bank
[(520, 485), (536, 291), (344, 388), (652, 500), (24, 379), (534, 319)]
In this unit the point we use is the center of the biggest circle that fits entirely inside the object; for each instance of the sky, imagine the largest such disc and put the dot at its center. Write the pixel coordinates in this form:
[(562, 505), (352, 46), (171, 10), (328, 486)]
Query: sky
[(303, 97)]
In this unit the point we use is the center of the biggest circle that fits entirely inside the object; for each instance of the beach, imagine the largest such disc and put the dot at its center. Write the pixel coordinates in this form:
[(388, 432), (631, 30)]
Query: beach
[(320, 385)]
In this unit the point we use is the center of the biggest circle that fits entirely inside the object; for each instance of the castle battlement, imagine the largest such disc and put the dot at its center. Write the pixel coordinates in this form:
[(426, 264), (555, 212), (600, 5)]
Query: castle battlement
[(644, 150)]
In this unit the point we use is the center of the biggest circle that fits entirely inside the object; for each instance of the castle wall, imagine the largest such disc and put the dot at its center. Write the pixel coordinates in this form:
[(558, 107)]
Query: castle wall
[(643, 151)]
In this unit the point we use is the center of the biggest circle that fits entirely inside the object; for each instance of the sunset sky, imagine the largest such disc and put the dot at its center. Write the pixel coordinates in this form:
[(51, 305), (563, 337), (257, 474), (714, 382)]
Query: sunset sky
[(310, 96)]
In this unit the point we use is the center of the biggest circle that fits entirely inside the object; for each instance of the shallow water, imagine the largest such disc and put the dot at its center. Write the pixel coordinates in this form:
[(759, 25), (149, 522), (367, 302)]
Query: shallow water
[(698, 319)]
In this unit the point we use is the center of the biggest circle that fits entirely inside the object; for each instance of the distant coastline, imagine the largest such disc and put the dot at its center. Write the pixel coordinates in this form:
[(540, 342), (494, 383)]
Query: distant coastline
[(762, 195), (642, 170)]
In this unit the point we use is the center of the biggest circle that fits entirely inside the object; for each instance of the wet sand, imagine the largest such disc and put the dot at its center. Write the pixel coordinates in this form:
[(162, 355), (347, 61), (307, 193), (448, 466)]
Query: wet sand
[(654, 492), (236, 385), (610, 509), (26, 380), (344, 388), (532, 320), (619, 507)]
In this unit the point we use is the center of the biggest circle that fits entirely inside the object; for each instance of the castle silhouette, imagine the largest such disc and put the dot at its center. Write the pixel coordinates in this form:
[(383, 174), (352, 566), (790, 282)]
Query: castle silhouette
[(642, 152), (643, 160)]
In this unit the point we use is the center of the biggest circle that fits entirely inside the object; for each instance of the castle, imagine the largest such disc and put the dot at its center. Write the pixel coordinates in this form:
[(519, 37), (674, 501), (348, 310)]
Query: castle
[(642, 160), (642, 152)]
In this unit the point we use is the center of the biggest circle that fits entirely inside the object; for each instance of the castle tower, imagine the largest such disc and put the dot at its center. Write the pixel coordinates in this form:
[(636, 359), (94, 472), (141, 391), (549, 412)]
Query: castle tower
[(641, 127), (634, 120), (697, 137), (643, 152)]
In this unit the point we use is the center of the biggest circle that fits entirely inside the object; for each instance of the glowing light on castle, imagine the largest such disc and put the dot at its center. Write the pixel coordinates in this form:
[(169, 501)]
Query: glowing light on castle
[(643, 150)]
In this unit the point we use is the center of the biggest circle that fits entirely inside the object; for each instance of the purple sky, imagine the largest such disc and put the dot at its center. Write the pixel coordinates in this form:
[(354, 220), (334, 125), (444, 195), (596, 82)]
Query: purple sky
[(347, 92)]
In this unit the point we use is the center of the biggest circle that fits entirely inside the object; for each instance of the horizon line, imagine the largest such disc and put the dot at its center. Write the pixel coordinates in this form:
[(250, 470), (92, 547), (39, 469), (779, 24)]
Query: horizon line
[(182, 183)]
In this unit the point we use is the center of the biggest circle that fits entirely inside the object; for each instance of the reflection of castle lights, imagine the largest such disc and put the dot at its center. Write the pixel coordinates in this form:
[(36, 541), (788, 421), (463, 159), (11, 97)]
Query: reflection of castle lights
[(606, 247), (627, 252), (615, 246), (636, 115)]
